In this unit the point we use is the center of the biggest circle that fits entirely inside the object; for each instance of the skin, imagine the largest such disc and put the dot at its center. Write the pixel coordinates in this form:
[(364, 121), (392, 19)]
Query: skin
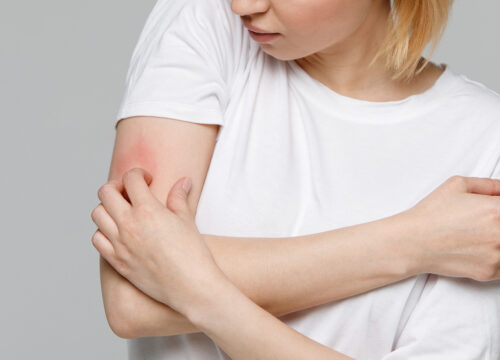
[(334, 41), (148, 243)]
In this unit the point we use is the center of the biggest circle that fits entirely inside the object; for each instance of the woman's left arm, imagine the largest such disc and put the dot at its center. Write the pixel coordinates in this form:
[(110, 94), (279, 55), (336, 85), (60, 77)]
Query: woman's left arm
[(246, 331)]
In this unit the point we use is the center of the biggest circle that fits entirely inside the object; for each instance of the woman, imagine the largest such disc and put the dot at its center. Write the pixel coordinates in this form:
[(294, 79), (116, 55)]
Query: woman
[(313, 132)]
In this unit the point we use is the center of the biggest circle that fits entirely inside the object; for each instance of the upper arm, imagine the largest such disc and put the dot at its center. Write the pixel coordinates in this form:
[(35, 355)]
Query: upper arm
[(168, 149)]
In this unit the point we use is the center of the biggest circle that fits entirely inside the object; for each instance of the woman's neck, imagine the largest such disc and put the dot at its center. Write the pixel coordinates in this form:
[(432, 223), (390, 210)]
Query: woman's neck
[(345, 67)]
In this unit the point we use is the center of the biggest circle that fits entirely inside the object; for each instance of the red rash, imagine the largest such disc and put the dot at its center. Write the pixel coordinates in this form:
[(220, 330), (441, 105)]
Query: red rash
[(139, 154)]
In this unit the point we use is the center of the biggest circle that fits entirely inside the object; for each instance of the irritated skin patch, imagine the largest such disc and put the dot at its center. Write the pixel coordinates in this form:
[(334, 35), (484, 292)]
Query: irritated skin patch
[(137, 154)]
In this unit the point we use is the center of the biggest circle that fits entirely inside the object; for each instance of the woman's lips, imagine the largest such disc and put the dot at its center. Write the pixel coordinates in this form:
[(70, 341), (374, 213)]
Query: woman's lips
[(262, 38)]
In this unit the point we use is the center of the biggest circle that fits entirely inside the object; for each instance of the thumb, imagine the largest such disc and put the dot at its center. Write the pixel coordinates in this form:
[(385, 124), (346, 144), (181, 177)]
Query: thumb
[(177, 197)]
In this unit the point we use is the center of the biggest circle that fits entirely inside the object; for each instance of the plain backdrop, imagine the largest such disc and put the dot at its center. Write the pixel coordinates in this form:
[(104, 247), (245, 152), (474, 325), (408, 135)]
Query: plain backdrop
[(62, 73)]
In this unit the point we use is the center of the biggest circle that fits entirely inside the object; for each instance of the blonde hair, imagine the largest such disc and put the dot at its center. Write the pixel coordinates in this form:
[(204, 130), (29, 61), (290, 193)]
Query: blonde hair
[(411, 26)]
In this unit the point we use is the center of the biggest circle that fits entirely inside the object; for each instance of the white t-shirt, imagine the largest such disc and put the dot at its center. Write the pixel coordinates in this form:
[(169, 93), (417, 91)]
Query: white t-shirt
[(293, 157)]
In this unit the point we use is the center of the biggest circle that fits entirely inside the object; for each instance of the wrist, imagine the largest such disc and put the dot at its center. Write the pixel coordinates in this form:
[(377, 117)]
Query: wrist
[(410, 242), (201, 297), (211, 303)]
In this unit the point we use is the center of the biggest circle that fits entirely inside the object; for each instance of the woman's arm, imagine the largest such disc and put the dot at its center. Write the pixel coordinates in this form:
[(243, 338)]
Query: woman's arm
[(280, 274), (246, 331), (168, 149), (284, 275)]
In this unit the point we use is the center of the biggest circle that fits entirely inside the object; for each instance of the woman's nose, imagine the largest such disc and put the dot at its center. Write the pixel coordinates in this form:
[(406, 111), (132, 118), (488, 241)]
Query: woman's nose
[(249, 7)]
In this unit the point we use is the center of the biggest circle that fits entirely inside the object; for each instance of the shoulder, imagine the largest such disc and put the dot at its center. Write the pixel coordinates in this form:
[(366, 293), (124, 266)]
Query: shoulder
[(475, 93), (474, 109), (213, 12), (207, 12), (213, 5)]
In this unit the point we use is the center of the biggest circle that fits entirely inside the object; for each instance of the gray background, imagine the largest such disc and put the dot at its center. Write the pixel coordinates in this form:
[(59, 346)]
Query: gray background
[(63, 66)]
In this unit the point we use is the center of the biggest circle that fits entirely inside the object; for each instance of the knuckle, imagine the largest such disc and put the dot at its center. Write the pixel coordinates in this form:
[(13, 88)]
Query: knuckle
[(95, 213), (96, 236), (492, 210), (456, 179), (494, 260), (121, 263), (120, 257), (133, 171), (102, 190), (145, 210), (487, 272), (127, 227), (125, 175), (122, 268), (490, 275), (454, 182), (127, 223)]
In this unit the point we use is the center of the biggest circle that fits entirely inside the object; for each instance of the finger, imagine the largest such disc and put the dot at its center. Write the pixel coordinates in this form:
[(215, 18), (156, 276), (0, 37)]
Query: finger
[(105, 222), (112, 199), (136, 183), (119, 186), (485, 186), (104, 247), (177, 200)]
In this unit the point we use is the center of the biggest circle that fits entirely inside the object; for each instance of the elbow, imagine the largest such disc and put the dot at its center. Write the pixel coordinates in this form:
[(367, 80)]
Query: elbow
[(117, 302), (122, 328), (119, 319)]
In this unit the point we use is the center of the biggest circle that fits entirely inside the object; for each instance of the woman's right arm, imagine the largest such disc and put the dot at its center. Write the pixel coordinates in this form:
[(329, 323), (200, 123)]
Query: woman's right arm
[(281, 275)]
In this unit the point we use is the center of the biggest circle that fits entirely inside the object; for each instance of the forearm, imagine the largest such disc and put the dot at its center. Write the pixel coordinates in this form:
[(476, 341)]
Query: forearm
[(246, 331), (284, 275), (131, 313)]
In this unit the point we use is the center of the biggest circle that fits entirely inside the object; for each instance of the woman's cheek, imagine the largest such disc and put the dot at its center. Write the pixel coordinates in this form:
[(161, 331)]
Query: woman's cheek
[(327, 20)]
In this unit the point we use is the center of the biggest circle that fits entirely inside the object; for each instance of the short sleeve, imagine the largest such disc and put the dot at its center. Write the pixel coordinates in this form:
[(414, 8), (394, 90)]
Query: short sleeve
[(455, 318), (181, 64)]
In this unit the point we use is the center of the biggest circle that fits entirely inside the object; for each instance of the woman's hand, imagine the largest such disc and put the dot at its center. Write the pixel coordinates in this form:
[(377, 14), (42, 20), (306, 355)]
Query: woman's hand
[(461, 229), (156, 248)]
